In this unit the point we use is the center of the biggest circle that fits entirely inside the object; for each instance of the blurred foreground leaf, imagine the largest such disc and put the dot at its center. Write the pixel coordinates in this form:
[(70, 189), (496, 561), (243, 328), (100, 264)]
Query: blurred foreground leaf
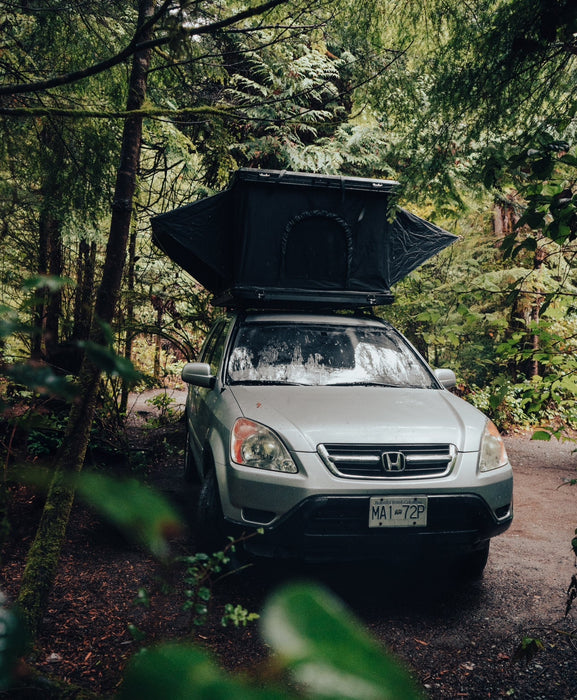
[(328, 651), (13, 643), (49, 283), (143, 515), (107, 360), (43, 380), (182, 672), (330, 654)]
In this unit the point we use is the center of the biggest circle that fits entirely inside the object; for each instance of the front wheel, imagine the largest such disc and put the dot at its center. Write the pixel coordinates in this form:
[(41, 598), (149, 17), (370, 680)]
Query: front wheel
[(210, 531), (473, 564), (190, 470)]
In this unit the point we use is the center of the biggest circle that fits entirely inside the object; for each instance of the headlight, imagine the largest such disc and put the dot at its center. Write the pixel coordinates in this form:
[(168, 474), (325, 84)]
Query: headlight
[(255, 445), (492, 454)]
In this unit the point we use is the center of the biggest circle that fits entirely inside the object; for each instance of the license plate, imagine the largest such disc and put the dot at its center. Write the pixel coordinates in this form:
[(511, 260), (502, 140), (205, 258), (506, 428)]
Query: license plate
[(398, 511)]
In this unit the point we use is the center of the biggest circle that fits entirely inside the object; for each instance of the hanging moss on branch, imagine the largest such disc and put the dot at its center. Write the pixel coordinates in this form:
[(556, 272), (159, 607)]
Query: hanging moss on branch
[(117, 114)]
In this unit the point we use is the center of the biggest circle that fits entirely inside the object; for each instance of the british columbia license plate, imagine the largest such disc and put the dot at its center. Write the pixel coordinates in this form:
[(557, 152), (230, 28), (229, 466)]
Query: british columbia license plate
[(398, 511)]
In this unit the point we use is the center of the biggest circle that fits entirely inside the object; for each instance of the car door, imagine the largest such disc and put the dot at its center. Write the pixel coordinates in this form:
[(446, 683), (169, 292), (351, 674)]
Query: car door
[(201, 399)]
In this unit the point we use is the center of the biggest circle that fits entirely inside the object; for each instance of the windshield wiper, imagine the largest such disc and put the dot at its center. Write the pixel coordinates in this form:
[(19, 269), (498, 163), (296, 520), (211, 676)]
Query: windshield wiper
[(391, 386), (266, 382)]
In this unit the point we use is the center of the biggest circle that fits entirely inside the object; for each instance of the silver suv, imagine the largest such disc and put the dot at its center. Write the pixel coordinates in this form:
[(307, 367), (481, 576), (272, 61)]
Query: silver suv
[(334, 436)]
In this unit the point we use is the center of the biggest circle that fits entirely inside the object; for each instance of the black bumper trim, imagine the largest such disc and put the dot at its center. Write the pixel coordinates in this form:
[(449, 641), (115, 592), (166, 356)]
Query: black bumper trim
[(328, 528)]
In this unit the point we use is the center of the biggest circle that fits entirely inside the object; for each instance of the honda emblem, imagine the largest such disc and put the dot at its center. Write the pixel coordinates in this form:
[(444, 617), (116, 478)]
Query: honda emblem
[(394, 462)]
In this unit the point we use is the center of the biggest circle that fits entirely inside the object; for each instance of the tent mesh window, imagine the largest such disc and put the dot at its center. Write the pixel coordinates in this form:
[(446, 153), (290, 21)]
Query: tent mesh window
[(316, 245)]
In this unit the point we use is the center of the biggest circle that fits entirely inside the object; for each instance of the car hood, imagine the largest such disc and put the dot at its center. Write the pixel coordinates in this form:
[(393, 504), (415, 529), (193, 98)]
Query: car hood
[(306, 416)]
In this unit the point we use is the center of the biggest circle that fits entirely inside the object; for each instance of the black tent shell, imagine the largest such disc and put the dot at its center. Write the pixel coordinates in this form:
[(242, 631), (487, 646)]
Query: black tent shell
[(285, 239)]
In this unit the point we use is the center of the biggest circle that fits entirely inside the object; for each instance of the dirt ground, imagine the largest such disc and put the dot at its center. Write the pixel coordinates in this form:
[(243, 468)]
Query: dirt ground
[(460, 640), (464, 641)]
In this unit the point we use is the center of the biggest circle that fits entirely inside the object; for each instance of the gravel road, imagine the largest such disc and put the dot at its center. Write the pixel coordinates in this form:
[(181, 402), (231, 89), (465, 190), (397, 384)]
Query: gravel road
[(464, 639)]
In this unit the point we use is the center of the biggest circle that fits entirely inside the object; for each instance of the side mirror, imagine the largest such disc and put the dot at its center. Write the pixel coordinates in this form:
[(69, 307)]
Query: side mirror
[(445, 377), (198, 374)]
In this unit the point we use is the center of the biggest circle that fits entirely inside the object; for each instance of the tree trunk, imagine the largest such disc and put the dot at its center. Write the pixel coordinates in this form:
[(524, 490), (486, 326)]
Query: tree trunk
[(85, 274), (54, 306), (83, 303), (43, 557), (40, 306), (538, 261), (159, 305), (129, 320), (158, 345), (49, 306), (504, 218)]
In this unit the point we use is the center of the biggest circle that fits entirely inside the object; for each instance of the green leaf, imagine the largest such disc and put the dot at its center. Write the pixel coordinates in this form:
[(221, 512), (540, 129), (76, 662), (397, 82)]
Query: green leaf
[(551, 189), (532, 219), (49, 283), (528, 649), (512, 297), (453, 338), (183, 672), (547, 302), (204, 593), (328, 651), (136, 634), (528, 244), (139, 512), (543, 168), (13, 643), (569, 159), (142, 598), (496, 398), (558, 231), (541, 435), (108, 361), (43, 380), (10, 323), (508, 243)]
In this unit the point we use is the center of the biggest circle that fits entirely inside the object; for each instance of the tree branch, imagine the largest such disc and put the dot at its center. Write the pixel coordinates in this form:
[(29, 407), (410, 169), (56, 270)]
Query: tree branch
[(122, 114), (133, 47)]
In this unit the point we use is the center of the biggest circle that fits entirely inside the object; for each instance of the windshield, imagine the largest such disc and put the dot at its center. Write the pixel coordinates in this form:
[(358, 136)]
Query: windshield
[(320, 355)]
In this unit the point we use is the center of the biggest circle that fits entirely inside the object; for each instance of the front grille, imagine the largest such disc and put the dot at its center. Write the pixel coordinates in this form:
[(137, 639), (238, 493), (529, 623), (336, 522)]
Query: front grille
[(388, 461)]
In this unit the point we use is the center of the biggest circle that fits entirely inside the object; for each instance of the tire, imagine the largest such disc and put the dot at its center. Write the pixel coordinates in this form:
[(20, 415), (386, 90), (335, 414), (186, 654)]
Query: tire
[(190, 470), (472, 565), (210, 533)]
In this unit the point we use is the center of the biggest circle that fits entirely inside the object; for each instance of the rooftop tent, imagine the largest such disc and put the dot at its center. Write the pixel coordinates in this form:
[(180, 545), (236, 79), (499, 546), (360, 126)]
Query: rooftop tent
[(277, 238)]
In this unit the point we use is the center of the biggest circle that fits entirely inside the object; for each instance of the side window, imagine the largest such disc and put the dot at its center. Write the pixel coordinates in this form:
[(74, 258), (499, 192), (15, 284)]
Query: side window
[(218, 349), (208, 344), (214, 346)]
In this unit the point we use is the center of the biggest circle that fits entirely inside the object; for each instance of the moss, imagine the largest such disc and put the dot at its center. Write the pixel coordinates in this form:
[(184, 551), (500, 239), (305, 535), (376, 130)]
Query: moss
[(44, 555), (4, 521)]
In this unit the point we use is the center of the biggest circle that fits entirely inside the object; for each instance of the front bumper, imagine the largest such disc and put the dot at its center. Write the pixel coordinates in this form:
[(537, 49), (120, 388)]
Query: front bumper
[(333, 528)]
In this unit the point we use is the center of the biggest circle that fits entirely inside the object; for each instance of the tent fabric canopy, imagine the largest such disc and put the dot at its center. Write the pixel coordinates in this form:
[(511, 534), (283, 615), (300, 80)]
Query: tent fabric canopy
[(279, 236)]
